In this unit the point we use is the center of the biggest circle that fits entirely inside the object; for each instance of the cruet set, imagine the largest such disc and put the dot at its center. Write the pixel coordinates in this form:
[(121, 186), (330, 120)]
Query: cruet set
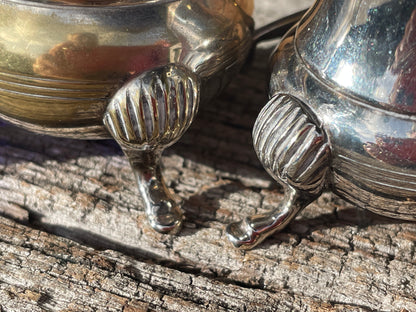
[(341, 115)]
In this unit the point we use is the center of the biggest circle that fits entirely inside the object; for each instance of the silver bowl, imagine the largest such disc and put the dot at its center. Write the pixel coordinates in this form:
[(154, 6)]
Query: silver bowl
[(134, 70)]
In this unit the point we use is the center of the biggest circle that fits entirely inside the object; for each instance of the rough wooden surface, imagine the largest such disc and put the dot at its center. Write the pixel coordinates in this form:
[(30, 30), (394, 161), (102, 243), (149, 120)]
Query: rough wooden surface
[(75, 237)]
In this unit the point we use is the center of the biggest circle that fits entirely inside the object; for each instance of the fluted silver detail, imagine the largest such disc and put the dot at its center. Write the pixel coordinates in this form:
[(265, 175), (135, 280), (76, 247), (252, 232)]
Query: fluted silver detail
[(291, 146), (149, 113), (295, 151), (154, 109)]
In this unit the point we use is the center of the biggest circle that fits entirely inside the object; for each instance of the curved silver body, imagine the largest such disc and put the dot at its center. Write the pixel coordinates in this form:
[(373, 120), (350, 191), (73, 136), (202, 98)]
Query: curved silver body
[(133, 69), (63, 60), (342, 114)]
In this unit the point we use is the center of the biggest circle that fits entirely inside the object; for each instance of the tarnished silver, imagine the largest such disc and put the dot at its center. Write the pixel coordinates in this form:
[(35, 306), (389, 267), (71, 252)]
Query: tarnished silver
[(133, 69), (342, 113)]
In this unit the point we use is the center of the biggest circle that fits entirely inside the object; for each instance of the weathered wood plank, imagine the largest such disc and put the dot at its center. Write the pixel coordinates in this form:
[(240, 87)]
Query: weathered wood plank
[(42, 272), (334, 257)]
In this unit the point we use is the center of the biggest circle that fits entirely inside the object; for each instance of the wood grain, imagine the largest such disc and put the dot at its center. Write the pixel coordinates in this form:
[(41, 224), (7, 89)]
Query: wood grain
[(75, 237)]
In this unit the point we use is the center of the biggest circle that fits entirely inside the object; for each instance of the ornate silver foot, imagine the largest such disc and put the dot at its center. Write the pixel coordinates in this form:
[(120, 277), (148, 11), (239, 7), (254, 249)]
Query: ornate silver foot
[(295, 151), (254, 229), (145, 116)]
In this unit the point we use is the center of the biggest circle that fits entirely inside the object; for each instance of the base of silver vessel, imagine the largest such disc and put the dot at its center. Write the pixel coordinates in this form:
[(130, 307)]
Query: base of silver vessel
[(85, 133), (316, 135), (133, 70)]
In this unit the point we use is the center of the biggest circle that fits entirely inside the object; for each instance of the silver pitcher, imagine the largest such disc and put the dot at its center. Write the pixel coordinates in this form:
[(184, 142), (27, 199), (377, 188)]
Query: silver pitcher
[(342, 113)]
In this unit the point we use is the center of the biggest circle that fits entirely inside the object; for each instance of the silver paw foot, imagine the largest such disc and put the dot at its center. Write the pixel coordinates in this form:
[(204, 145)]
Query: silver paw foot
[(251, 231), (162, 210), (295, 151), (148, 114)]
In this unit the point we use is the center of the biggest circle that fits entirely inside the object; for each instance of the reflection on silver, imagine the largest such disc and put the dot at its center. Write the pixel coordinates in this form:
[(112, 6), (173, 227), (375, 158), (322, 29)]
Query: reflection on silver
[(342, 114), (148, 114), (63, 63)]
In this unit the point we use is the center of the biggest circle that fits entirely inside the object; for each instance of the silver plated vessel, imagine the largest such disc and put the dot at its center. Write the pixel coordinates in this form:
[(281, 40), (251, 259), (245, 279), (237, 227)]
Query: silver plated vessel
[(134, 70), (342, 113)]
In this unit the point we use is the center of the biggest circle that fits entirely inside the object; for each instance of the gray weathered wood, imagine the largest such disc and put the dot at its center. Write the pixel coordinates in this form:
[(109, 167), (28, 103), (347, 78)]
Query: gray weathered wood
[(39, 272), (334, 257)]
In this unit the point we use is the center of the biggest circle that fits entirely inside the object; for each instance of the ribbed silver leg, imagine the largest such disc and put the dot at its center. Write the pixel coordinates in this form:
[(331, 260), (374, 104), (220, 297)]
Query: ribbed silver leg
[(145, 116), (295, 151)]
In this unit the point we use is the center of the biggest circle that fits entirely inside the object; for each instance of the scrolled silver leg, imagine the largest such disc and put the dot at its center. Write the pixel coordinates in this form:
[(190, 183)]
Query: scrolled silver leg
[(149, 113), (295, 151)]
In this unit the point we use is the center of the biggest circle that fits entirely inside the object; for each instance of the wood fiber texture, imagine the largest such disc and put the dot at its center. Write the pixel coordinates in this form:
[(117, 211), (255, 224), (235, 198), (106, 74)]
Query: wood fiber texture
[(73, 235)]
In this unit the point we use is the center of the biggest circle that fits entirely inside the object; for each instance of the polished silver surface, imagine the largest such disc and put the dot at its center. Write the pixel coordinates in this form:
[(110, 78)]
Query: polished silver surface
[(133, 69), (341, 114), (148, 114), (62, 63)]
